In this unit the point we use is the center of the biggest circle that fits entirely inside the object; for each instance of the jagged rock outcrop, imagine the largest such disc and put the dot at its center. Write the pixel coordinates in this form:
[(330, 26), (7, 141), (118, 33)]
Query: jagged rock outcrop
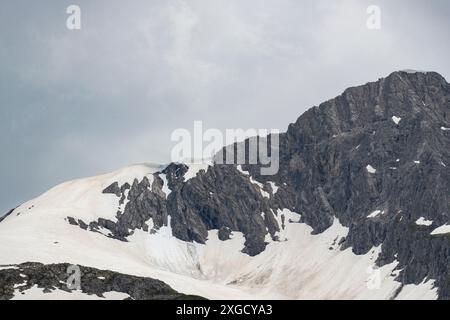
[(382, 146), (17, 279), (221, 197)]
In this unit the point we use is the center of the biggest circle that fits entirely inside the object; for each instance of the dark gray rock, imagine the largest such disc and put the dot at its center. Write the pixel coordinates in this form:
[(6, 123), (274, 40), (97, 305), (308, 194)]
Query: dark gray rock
[(72, 221), (224, 233), (93, 282), (113, 189)]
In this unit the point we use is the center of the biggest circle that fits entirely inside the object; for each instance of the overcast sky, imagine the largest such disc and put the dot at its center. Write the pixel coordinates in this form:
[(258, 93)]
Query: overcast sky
[(84, 102)]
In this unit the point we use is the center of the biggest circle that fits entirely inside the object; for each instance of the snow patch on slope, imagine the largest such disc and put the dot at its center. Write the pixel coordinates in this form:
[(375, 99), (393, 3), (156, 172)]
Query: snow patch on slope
[(239, 168), (274, 187), (423, 222), (165, 187), (445, 229), (375, 214), (409, 292), (371, 169), (396, 119)]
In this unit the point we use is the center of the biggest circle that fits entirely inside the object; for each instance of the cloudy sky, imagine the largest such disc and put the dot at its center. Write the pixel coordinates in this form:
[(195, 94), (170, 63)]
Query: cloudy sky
[(79, 103)]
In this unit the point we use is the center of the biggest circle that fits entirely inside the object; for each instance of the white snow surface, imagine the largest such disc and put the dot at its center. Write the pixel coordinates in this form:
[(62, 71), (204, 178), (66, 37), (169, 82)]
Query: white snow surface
[(371, 169), (396, 119), (445, 129), (300, 266), (445, 229), (409, 291), (375, 214), (423, 222)]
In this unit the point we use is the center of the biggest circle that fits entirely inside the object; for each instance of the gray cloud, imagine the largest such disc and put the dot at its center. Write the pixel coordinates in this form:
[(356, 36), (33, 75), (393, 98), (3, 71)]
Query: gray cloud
[(78, 103)]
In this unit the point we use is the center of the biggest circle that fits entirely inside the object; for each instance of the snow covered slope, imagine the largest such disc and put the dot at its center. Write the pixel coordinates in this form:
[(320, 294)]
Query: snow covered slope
[(302, 266)]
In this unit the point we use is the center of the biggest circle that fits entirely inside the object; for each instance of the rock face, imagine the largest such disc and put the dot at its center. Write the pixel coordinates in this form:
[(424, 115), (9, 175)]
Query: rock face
[(380, 146), (17, 279), (340, 139), (220, 198), (377, 158)]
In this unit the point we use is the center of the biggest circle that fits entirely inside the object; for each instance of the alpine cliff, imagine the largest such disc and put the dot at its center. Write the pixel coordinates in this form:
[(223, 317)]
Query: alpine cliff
[(360, 209)]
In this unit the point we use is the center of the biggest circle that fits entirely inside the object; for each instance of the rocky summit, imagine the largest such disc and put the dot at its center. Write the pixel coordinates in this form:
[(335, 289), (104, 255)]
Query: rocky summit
[(362, 195)]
